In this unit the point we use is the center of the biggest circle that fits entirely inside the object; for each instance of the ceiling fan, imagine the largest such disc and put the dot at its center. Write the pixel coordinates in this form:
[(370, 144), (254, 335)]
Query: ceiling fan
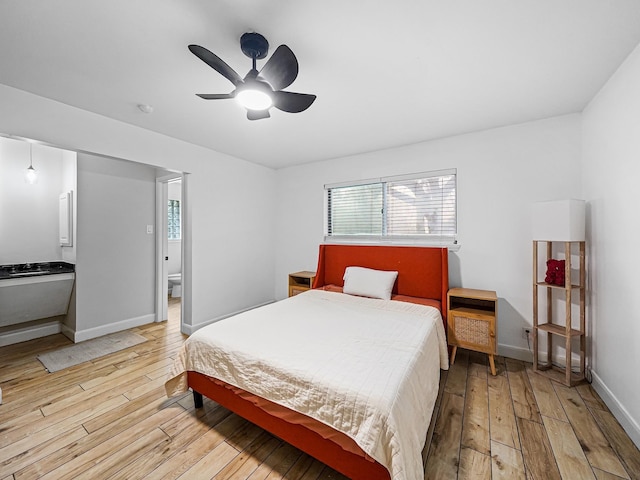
[(260, 90)]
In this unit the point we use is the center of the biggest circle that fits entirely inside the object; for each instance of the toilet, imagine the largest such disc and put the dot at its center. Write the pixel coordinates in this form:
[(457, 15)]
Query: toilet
[(175, 284)]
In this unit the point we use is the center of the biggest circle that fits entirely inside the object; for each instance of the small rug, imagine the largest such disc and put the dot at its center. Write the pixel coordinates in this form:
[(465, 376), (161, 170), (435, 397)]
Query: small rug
[(89, 350)]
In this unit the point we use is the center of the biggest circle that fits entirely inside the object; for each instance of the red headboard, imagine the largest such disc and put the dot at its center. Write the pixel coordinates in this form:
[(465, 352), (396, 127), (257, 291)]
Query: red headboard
[(422, 271)]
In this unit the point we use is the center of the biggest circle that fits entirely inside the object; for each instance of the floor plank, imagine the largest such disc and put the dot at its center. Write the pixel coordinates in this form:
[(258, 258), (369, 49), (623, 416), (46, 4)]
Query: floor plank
[(593, 442), (524, 402), (457, 374), (214, 461), (620, 441), (275, 458), (506, 463), (474, 465), (185, 436), (35, 435), (478, 365), (444, 454), (538, 456), (548, 403), (243, 465), (105, 452), (475, 424), (600, 475), (590, 397), (289, 456), (569, 456), (43, 450), (502, 420), (111, 466), (178, 464)]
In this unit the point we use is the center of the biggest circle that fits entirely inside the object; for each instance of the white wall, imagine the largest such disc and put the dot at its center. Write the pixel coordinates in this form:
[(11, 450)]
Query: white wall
[(611, 166), (115, 269), (29, 213), (231, 202), (500, 173)]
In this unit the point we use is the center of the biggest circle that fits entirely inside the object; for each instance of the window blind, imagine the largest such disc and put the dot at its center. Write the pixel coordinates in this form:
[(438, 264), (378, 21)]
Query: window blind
[(355, 210), (421, 206)]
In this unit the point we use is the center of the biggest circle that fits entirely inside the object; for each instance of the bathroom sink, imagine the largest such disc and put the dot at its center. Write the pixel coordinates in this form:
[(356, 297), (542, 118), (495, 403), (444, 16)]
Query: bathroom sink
[(27, 274), (35, 269)]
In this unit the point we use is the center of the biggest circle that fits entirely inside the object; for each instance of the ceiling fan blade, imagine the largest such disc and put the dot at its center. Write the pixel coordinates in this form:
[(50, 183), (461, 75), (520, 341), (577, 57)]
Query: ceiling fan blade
[(292, 102), (215, 96), (216, 63), (257, 114), (281, 69)]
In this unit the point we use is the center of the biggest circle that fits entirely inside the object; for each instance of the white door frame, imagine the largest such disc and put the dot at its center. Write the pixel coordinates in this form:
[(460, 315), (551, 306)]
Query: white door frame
[(161, 249)]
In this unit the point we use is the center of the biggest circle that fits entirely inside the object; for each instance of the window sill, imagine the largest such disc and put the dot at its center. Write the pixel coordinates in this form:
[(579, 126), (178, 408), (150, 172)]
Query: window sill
[(452, 247)]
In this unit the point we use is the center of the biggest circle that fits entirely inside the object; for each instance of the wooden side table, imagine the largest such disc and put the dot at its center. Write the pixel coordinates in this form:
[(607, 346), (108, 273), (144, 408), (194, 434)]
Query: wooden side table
[(300, 282), (471, 321)]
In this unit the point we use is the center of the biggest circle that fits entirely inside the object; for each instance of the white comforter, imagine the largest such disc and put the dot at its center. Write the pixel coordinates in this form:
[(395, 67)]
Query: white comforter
[(368, 368)]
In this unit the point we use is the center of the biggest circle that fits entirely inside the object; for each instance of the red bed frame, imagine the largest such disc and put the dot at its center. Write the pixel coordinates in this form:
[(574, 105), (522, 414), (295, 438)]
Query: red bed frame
[(422, 272)]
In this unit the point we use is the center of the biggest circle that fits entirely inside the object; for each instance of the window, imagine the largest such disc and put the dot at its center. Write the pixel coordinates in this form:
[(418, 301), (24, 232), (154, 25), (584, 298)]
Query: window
[(418, 208), (173, 223)]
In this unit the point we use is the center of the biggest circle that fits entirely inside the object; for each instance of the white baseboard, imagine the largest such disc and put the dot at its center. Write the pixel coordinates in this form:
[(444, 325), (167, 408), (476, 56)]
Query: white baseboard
[(526, 355), (618, 410), (29, 333), (89, 333), (67, 331), (189, 329), (518, 353)]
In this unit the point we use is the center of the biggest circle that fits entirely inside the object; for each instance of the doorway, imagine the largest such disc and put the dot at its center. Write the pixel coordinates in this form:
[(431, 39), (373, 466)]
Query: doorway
[(170, 236)]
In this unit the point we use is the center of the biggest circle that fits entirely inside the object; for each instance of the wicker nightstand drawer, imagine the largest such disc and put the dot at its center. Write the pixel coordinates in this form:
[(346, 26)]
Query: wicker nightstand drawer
[(472, 330)]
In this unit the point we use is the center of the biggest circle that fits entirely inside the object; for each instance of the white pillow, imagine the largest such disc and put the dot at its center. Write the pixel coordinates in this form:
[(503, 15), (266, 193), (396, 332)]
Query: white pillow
[(367, 282)]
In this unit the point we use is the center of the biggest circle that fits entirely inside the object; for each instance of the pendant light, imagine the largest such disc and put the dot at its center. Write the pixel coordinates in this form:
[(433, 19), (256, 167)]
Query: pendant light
[(31, 175)]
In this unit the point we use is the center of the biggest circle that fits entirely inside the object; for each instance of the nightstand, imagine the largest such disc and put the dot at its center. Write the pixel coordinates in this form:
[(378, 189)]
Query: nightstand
[(471, 321), (300, 282)]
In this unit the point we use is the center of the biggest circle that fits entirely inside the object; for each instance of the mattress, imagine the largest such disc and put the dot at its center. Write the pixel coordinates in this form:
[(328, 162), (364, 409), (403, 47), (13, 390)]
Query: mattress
[(368, 368)]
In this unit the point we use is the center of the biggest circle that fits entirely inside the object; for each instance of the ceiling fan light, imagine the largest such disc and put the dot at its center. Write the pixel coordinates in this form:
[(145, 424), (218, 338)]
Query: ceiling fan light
[(254, 99)]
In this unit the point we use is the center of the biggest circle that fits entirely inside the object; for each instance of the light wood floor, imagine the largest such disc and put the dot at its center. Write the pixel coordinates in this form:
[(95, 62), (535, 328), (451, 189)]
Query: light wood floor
[(521, 425), (110, 419)]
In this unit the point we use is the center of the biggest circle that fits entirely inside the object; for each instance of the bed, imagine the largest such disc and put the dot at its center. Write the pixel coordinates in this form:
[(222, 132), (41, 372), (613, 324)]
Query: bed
[(310, 369)]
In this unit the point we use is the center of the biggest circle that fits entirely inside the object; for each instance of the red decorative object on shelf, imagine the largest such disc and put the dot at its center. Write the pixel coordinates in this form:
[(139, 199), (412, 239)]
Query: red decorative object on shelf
[(555, 272)]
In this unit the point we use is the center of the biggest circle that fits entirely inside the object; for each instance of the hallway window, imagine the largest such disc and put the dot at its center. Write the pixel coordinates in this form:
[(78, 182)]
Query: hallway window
[(173, 224)]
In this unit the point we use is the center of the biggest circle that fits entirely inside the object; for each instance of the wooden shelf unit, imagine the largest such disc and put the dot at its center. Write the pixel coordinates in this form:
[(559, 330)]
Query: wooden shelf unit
[(471, 321), (300, 282), (567, 331)]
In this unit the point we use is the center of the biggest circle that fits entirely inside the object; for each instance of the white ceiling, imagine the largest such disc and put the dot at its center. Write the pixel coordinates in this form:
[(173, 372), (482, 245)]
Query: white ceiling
[(385, 73)]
